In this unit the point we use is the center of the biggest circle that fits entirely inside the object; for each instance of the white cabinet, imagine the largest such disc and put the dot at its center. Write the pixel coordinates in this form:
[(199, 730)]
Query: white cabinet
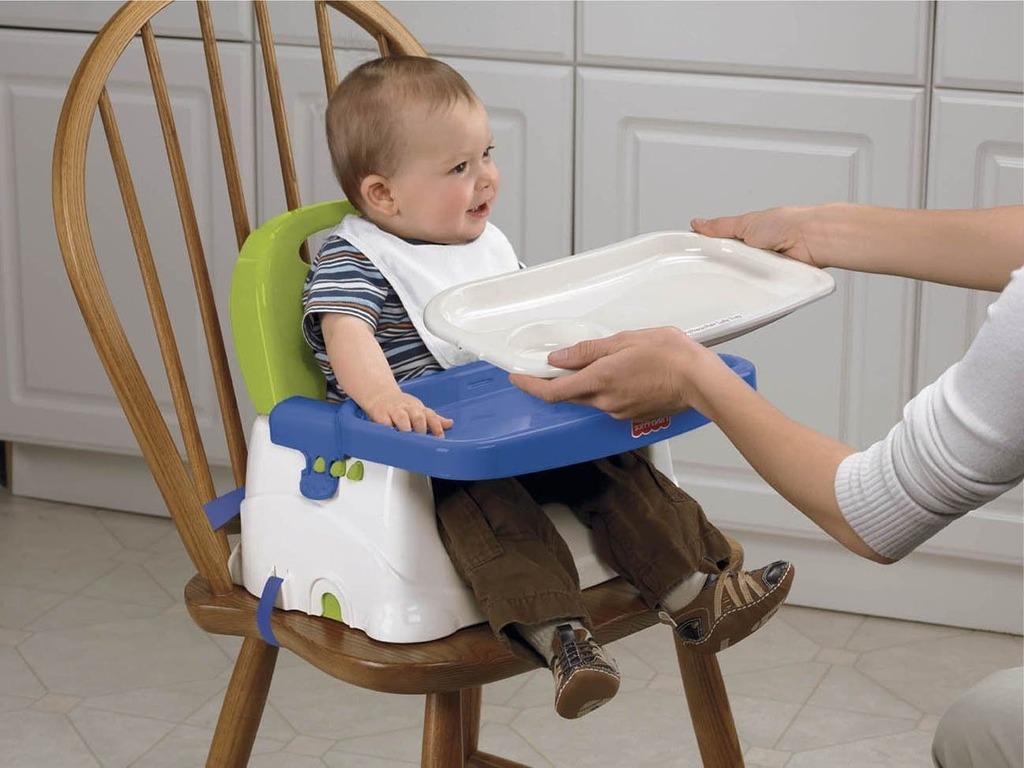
[(858, 41), (52, 387)]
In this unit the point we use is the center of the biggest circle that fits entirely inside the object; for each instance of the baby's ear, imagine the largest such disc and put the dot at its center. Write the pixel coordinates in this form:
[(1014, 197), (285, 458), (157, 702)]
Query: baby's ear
[(377, 195)]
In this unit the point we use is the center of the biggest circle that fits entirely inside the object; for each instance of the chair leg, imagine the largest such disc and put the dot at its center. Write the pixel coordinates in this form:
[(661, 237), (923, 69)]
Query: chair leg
[(709, 709), (243, 705), (471, 701), (442, 731)]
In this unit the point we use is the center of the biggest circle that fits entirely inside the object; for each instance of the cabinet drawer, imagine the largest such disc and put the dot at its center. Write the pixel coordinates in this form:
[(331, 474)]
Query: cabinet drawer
[(980, 45), (863, 41), (527, 30), (232, 21)]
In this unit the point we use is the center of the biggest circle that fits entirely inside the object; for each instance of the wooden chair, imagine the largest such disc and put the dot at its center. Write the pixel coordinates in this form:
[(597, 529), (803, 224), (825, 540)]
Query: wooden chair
[(448, 672)]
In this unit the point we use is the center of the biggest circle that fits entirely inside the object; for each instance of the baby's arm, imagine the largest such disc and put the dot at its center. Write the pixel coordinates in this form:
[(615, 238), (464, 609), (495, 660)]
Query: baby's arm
[(364, 374)]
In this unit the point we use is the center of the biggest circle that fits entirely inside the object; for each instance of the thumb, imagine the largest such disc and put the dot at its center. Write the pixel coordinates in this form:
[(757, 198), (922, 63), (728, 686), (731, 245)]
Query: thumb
[(724, 226), (581, 354)]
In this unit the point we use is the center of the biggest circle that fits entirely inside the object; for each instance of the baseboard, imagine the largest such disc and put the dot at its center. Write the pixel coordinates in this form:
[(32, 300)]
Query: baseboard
[(91, 478)]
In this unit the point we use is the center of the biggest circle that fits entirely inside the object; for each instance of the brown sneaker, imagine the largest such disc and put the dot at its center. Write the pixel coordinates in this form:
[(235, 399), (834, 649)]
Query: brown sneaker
[(731, 606), (585, 675)]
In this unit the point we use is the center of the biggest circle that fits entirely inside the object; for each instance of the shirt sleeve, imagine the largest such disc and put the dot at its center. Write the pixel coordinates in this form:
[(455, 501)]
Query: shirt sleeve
[(960, 443), (344, 281)]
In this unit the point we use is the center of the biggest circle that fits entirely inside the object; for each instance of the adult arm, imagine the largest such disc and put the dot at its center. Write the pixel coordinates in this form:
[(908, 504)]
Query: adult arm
[(643, 374), (968, 248), (959, 445)]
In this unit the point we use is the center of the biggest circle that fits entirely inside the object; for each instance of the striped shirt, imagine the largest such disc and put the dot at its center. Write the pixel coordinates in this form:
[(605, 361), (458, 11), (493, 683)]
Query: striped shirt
[(343, 280)]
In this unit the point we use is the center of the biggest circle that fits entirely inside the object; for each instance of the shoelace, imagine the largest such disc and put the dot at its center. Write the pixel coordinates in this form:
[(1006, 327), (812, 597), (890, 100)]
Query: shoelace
[(746, 584), (573, 651)]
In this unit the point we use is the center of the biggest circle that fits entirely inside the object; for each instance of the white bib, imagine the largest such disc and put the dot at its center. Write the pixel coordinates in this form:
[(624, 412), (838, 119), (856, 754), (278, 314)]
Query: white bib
[(419, 272)]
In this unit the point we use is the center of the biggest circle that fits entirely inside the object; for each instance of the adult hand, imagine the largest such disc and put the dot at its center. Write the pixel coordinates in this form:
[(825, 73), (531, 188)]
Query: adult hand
[(631, 375), (777, 229)]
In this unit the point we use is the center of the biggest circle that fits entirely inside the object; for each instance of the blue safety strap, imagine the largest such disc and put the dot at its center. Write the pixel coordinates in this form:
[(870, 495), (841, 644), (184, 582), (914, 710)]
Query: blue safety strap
[(224, 509), (266, 608)]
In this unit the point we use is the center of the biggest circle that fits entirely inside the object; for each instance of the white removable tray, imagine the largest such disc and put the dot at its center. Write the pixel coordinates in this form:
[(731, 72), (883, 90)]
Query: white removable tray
[(712, 288)]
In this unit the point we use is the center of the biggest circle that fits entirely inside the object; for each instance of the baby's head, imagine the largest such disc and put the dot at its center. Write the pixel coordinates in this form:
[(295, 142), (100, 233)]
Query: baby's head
[(411, 146)]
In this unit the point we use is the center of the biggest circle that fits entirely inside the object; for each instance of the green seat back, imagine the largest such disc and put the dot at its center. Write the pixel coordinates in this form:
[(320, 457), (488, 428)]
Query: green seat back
[(266, 306)]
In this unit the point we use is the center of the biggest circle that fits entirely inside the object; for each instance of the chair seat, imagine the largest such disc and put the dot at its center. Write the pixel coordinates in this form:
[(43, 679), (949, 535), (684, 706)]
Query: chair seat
[(468, 658)]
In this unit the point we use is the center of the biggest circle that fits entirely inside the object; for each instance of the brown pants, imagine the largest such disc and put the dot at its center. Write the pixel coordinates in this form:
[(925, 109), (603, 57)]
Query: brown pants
[(521, 571)]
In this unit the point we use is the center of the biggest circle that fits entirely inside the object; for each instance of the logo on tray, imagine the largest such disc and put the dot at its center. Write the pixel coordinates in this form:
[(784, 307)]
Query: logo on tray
[(647, 426)]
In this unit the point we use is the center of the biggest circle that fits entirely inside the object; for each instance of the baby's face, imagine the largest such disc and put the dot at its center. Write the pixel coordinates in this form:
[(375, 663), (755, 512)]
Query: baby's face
[(447, 182)]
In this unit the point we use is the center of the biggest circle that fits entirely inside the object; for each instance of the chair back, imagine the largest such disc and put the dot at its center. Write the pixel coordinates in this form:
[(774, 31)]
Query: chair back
[(170, 438)]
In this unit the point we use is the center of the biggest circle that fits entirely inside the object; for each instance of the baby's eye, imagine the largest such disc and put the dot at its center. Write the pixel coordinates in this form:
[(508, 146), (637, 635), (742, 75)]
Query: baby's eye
[(460, 168), (488, 151)]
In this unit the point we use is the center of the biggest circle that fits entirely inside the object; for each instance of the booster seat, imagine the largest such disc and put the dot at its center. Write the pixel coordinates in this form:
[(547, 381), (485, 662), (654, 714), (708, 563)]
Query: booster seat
[(340, 510)]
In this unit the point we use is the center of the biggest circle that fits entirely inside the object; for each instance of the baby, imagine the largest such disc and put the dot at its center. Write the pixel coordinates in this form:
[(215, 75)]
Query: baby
[(412, 148)]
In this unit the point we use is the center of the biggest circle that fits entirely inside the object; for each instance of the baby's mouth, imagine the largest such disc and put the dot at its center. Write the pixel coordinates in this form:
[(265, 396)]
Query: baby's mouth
[(480, 209)]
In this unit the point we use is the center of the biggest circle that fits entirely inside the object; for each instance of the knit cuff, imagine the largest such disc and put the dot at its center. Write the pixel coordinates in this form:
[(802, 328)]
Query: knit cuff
[(877, 506)]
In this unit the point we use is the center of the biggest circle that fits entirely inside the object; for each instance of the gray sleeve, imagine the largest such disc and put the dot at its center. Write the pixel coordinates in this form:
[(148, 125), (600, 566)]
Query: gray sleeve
[(960, 443)]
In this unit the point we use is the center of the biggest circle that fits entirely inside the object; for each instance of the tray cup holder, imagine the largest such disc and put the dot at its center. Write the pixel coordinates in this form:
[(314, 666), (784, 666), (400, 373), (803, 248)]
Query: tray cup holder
[(536, 340)]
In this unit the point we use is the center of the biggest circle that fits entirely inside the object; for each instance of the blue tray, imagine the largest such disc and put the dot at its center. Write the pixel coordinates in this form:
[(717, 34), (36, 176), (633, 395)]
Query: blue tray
[(499, 430)]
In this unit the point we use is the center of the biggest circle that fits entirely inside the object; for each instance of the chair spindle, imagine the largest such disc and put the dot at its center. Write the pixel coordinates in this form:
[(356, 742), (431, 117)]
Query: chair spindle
[(201, 280)]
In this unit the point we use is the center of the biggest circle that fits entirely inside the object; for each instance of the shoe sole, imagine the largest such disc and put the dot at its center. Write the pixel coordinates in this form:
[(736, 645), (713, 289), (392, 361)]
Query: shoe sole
[(584, 692)]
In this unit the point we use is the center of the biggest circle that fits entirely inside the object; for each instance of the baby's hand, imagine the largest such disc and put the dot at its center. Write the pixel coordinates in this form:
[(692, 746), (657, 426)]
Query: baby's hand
[(407, 414)]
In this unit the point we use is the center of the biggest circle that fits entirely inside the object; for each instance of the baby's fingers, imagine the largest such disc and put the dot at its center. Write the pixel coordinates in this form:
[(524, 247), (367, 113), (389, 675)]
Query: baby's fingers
[(400, 420), (418, 419), (437, 423)]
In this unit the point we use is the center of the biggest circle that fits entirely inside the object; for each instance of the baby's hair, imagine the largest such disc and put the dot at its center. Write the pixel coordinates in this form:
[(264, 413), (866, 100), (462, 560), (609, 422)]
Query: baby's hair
[(364, 113)]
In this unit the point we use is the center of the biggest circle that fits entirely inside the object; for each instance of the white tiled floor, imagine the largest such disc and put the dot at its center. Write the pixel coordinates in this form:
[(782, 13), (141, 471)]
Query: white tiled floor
[(101, 666)]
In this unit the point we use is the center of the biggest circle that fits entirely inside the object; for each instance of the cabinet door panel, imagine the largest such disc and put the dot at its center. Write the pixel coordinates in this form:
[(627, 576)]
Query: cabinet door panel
[(977, 161), (656, 150), (862, 41), (52, 387), (980, 44), (526, 30), (232, 21), (530, 108)]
